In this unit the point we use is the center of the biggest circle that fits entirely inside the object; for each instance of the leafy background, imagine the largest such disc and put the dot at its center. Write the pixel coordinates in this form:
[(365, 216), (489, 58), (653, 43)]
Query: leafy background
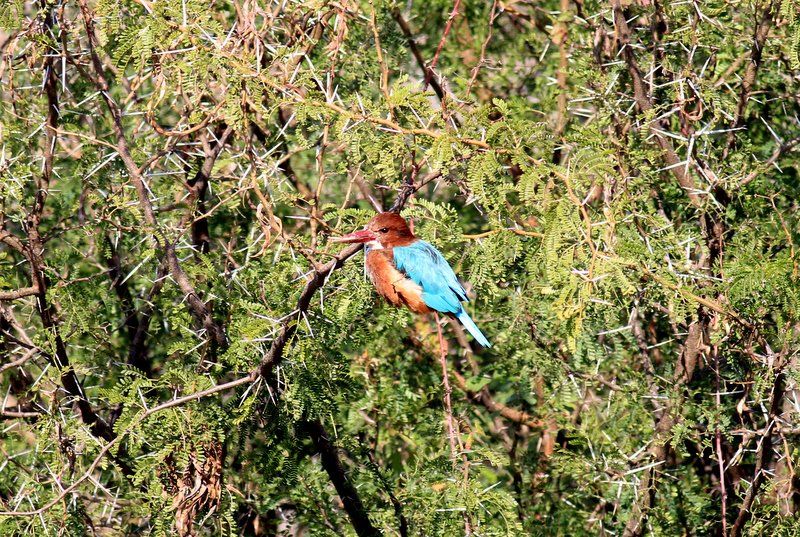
[(183, 352)]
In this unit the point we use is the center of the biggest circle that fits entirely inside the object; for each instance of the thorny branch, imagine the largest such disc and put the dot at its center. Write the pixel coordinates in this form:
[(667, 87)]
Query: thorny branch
[(199, 308), (198, 146)]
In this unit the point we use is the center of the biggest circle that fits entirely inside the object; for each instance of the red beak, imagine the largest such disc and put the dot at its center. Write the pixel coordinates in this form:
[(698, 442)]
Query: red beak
[(363, 235)]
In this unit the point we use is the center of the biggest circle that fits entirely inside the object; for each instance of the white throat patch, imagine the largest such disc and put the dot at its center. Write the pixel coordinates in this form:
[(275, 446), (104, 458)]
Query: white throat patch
[(374, 245)]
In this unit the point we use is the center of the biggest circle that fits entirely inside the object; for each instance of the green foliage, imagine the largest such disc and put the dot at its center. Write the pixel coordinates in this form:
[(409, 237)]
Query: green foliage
[(254, 131)]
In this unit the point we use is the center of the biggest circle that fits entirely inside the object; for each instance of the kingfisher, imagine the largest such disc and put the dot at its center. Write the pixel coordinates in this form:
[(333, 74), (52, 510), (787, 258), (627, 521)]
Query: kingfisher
[(410, 272)]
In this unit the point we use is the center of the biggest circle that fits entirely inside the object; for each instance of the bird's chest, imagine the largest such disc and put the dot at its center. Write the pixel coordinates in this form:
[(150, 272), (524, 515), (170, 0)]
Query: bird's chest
[(395, 286)]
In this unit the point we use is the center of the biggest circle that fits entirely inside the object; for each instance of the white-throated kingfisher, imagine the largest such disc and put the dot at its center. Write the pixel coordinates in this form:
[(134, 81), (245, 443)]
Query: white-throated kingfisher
[(410, 272)]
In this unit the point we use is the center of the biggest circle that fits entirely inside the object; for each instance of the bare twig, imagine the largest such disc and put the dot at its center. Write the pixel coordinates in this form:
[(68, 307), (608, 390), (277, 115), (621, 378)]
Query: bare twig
[(384, 83), (475, 70), (718, 442), (448, 406), (412, 45), (779, 152), (19, 361), (447, 27), (763, 453)]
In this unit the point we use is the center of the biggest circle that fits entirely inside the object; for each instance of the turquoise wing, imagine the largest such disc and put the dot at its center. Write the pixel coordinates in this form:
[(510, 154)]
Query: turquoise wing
[(428, 268)]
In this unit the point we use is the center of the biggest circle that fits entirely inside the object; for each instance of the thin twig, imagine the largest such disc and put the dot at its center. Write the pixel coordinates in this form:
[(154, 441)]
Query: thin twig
[(749, 80), (415, 51), (447, 26), (475, 70), (448, 407), (117, 439), (718, 442)]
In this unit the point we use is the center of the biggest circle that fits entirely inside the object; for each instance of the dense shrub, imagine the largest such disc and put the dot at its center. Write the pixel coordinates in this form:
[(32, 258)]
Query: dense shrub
[(183, 351)]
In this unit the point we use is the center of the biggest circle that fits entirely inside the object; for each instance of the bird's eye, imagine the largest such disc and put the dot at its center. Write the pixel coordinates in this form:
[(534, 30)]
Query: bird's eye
[(383, 230)]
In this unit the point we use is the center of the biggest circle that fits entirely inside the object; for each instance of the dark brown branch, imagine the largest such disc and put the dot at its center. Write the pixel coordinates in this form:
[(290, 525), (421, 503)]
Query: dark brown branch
[(781, 150), (123, 292), (644, 103), (198, 187), (398, 507), (411, 186), (750, 74), (329, 457), (17, 414), (276, 351), (659, 448), (448, 25), (137, 348), (275, 355), (484, 397), (330, 460), (198, 308), (763, 454), (412, 45), (35, 247), (69, 378)]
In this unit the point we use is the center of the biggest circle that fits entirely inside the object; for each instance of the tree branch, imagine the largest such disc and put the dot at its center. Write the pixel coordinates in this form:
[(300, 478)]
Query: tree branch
[(659, 447), (34, 249), (198, 308), (644, 103), (750, 74), (763, 454), (19, 293), (344, 487), (412, 45), (484, 397), (448, 25)]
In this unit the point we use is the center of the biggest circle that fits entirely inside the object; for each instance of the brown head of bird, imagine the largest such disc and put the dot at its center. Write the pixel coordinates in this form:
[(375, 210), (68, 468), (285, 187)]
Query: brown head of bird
[(386, 230)]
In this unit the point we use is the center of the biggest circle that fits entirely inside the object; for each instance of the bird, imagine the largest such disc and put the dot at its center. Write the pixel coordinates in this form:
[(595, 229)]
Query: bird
[(410, 272)]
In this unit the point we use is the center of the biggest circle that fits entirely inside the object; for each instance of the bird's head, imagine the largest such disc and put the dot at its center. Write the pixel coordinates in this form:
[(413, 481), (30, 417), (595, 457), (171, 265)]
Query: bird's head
[(386, 230)]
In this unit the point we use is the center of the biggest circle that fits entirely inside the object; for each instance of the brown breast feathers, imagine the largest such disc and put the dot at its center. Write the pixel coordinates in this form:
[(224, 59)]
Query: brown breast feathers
[(392, 284)]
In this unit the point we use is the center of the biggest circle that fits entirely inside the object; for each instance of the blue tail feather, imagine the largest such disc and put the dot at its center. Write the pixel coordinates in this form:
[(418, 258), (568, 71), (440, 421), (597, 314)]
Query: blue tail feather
[(472, 328)]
